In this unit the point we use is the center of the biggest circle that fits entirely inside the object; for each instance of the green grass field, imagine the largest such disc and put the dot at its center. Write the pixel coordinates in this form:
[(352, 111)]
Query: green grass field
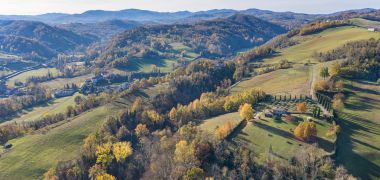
[(145, 65), (359, 142), (321, 42), (258, 136), (60, 82), (54, 107), (284, 81), (211, 124), (32, 155), (365, 23), (37, 73)]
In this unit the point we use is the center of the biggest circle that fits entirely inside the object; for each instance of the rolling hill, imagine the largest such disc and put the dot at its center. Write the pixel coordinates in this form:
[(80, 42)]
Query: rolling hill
[(25, 37), (214, 38), (101, 30)]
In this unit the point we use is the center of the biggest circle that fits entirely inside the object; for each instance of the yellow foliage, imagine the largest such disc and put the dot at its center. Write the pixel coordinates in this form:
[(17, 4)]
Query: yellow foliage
[(141, 130), (246, 111), (183, 153), (305, 130), (122, 150), (103, 154), (301, 107), (223, 131), (105, 176), (155, 116), (50, 175)]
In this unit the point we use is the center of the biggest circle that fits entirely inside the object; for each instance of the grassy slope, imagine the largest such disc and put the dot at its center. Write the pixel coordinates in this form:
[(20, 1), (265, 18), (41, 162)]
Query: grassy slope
[(32, 155), (359, 143), (284, 81), (361, 125), (38, 72), (165, 65), (365, 23), (211, 124), (54, 107), (145, 65), (60, 82), (259, 136), (321, 42), (298, 80)]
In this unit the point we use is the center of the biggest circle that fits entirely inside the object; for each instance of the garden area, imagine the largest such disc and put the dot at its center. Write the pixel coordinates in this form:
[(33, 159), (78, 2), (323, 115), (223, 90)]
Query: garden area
[(278, 127)]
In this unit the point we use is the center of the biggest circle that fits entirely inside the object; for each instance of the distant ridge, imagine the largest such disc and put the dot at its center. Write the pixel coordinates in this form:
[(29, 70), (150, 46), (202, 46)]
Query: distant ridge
[(286, 19)]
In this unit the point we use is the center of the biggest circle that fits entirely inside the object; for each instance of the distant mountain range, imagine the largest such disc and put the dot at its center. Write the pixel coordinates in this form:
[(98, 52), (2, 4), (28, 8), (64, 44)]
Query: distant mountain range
[(217, 32), (286, 19)]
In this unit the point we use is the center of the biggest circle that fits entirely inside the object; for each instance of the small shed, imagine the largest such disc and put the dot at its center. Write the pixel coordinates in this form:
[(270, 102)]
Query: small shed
[(372, 29)]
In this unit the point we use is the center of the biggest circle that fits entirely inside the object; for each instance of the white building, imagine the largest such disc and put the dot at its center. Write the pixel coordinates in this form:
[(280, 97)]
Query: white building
[(372, 29)]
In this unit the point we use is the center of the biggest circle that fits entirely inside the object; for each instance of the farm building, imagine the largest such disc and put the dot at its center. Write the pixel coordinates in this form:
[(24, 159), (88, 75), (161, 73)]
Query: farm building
[(372, 29)]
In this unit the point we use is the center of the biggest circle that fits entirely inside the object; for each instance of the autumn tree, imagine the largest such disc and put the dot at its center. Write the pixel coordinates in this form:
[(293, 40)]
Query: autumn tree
[(324, 72), (194, 173), (105, 176), (223, 131), (137, 105), (141, 130), (122, 150), (104, 155), (50, 174), (246, 112), (339, 85), (301, 107), (184, 153), (305, 130), (154, 116)]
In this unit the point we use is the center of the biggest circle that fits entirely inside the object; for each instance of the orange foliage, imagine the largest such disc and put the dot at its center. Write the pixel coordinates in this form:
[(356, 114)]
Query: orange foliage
[(301, 107)]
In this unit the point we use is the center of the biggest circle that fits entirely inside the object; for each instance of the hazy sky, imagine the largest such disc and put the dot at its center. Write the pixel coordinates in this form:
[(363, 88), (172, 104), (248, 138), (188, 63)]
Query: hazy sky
[(78, 6)]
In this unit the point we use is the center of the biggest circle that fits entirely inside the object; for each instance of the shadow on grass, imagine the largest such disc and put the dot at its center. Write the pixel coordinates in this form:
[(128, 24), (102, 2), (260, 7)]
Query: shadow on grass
[(359, 89), (358, 165)]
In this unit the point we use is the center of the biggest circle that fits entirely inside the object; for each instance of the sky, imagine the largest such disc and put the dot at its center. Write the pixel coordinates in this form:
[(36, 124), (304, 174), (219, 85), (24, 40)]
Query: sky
[(33, 7)]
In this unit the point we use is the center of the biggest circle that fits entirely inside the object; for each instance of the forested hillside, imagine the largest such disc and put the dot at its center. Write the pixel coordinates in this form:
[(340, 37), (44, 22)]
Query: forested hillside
[(214, 38), (101, 30), (49, 40)]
